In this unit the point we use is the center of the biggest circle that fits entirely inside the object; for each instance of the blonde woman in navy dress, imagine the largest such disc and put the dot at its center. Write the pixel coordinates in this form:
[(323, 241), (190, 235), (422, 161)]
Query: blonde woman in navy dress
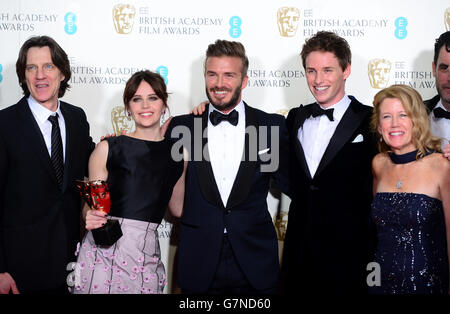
[(411, 207), (141, 174)]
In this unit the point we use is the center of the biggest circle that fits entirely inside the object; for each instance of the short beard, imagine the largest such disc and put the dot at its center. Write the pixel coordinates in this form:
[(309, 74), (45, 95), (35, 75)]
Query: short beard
[(225, 106)]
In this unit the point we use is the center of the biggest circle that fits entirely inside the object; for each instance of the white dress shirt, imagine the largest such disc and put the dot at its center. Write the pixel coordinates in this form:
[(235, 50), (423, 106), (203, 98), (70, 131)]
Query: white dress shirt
[(225, 147), (315, 134), (41, 115), (440, 127)]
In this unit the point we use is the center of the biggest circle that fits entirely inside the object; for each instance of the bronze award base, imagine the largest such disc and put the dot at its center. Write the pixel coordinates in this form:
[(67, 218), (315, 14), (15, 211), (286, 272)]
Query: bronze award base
[(108, 234)]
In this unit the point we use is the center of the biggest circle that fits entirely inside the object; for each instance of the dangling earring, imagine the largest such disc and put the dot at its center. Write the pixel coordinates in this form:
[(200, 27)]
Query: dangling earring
[(381, 139), (129, 116), (163, 116), (163, 119)]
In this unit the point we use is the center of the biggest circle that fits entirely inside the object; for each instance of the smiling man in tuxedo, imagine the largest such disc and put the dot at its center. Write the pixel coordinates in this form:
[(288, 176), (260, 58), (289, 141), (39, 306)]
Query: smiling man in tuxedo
[(44, 148), (331, 148), (228, 243)]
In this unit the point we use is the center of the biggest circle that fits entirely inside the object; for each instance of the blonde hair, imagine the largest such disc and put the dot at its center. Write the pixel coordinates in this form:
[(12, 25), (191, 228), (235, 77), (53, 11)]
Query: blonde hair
[(416, 110)]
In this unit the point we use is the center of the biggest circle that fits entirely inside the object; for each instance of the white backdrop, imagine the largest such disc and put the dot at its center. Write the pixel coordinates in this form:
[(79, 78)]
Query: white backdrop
[(107, 41)]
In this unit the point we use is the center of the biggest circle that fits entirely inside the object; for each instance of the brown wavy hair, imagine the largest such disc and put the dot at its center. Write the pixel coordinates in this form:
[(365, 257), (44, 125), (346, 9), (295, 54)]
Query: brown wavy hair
[(59, 59), (328, 42), (416, 110)]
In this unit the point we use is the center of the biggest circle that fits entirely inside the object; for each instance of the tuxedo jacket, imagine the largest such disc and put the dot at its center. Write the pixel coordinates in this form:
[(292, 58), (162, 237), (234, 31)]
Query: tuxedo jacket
[(249, 225), (39, 222), (431, 103), (326, 243)]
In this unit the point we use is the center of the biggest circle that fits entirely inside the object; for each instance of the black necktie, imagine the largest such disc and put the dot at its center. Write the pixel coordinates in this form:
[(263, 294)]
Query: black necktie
[(57, 150), (441, 113), (216, 117), (317, 111)]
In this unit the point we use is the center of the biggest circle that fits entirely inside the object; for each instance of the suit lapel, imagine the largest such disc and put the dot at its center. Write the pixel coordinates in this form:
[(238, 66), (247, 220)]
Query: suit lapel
[(243, 182), (33, 136), (70, 131), (203, 167), (302, 114), (349, 123)]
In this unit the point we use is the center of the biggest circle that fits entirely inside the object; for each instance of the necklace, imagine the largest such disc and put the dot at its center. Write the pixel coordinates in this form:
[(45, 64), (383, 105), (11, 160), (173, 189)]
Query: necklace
[(402, 159)]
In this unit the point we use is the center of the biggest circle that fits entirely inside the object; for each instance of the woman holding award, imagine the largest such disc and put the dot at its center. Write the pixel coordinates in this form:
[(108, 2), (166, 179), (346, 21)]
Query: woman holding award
[(140, 174)]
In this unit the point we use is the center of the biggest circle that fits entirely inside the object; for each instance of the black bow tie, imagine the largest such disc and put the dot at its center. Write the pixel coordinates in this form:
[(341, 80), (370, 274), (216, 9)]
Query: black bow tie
[(317, 111), (441, 113), (216, 117)]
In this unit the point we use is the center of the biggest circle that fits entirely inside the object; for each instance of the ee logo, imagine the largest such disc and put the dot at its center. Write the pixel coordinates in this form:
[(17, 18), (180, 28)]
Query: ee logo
[(400, 27), (163, 71), (235, 29), (70, 27)]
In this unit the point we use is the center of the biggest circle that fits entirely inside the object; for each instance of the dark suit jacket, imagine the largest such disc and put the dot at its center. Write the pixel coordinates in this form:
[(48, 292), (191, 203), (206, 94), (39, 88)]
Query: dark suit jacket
[(326, 240), (431, 103), (39, 223), (248, 222)]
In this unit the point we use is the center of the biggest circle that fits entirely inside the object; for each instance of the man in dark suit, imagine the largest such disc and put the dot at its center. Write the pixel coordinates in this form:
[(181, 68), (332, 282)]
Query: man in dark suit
[(327, 238), (44, 148), (439, 106), (228, 243)]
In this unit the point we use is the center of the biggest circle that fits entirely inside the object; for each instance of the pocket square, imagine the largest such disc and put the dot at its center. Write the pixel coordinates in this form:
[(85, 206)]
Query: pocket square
[(358, 139), (263, 151)]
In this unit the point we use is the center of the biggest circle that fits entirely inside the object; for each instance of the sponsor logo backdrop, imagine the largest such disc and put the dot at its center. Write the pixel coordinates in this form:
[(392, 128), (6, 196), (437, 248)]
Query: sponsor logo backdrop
[(107, 41)]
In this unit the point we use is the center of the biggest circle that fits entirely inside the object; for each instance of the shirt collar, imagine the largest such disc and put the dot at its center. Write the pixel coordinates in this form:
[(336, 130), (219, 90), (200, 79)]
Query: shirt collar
[(440, 105), (40, 112), (340, 107), (239, 108)]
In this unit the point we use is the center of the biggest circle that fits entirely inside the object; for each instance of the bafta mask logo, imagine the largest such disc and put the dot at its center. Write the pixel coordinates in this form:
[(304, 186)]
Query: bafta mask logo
[(281, 225), (447, 19), (119, 120), (123, 17), (287, 19), (378, 71)]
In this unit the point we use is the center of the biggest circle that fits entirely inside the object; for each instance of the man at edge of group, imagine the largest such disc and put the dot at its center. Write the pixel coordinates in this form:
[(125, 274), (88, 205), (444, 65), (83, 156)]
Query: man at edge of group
[(439, 106), (44, 148)]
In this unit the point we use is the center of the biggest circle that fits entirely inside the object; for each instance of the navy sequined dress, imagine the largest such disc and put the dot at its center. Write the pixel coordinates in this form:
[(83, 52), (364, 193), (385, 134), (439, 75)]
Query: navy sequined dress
[(412, 245)]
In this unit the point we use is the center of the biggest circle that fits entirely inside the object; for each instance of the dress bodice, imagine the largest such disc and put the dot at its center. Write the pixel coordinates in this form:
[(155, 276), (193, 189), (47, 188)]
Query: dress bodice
[(141, 177), (412, 246)]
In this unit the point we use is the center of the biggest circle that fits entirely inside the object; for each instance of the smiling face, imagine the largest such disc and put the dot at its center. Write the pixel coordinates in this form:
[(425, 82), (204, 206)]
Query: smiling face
[(395, 126), (325, 77), (43, 78), (224, 82), (146, 107)]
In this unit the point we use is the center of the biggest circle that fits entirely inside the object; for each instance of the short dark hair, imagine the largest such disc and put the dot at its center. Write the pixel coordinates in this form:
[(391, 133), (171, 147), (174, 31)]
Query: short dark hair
[(59, 59), (229, 49), (444, 39), (153, 79), (328, 42)]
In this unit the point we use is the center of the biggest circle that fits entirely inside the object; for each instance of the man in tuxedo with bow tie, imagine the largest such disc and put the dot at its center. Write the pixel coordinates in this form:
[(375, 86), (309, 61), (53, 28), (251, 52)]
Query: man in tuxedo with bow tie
[(439, 106), (228, 243), (44, 147), (331, 148)]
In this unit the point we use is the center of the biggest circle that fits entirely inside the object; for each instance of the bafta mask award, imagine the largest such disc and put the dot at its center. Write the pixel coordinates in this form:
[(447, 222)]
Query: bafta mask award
[(96, 194)]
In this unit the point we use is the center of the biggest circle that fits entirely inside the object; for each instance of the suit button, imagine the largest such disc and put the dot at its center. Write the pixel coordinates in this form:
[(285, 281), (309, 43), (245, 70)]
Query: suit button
[(312, 187), (227, 211)]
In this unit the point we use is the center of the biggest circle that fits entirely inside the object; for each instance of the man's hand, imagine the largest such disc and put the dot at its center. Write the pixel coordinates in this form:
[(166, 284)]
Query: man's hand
[(124, 132), (199, 109), (7, 284)]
